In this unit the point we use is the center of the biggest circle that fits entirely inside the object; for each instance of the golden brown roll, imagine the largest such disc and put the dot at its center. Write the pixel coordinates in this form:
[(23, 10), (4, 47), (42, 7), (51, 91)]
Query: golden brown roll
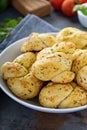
[(53, 94), (26, 59), (25, 87), (80, 61), (78, 37), (81, 77), (12, 69), (78, 97), (37, 42), (33, 43), (66, 47), (79, 67), (49, 67)]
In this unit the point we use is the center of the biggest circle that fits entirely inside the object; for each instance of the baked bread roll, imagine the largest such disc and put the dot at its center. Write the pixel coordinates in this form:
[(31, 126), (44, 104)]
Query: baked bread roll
[(62, 95), (52, 94), (80, 60), (19, 67), (49, 67), (26, 87), (66, 47), (37, 42), (78, 37), (79, 67), (26, 59), (20, 79), (12, 69), (78, 97), (81, 77)]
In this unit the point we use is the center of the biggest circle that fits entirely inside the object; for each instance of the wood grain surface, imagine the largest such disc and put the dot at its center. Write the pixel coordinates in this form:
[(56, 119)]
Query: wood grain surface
[(38, 7)]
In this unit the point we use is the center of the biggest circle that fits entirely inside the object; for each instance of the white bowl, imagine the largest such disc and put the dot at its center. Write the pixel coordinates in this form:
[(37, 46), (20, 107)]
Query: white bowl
[(82, 18), (11, 53)]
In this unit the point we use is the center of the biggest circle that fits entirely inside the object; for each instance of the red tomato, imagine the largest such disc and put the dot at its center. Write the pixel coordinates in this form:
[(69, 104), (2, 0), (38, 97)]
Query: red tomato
[(56, 4), (67, 7)]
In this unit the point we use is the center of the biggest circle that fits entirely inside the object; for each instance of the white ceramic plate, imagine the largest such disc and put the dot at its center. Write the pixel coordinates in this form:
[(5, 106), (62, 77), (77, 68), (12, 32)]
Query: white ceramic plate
[(9, 54)]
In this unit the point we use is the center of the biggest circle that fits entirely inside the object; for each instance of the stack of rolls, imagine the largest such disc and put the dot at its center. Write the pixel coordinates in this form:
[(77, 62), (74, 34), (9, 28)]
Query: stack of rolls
[(53, 68)]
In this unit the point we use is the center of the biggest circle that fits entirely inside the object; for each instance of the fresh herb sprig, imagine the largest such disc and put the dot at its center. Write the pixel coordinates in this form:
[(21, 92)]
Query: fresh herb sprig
[(7, 26)]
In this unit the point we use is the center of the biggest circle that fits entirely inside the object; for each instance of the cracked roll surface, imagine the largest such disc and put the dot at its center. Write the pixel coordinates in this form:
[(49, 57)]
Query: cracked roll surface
[(77, 98), (55, 95), (49, 67), (52, 94)]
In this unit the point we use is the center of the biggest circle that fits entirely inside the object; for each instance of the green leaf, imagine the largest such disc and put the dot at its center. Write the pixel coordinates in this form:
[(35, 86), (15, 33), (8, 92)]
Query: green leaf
[(81, 8), (11, 23), (7, 26)]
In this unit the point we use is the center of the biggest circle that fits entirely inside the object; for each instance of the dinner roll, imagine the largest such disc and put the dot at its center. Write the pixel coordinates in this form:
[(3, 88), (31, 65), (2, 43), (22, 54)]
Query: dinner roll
[(66, 47), (81, 77), (53, 94), (25, 87), (53, 64), (37, 42), (26, 59), (77, 36), (12, 70), (78, 97)]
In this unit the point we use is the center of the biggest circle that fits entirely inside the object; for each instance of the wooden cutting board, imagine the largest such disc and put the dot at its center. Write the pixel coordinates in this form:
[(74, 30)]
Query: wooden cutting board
[(37, 7)]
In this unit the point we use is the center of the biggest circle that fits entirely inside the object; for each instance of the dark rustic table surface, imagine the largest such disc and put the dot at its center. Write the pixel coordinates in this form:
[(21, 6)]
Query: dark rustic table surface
[(14, 116)]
